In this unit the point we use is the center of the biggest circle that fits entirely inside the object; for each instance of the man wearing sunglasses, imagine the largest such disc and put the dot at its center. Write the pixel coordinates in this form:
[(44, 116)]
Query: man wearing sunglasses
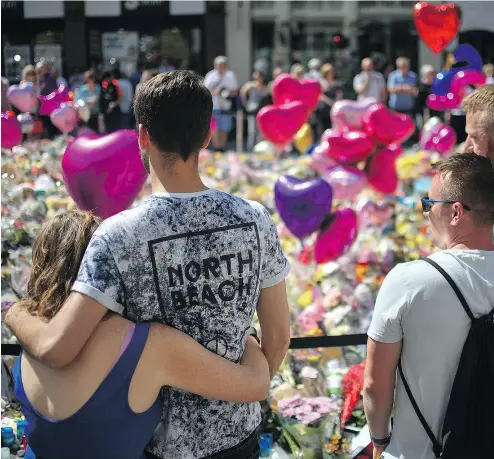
[(419, 317), (479, 107)]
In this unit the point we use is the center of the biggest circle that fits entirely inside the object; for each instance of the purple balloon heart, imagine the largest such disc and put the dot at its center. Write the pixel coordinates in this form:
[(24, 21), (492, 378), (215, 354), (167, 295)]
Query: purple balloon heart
[(302, 204), (104, 174), (22, 96)]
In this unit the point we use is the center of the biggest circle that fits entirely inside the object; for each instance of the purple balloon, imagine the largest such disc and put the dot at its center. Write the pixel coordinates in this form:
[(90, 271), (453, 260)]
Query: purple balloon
[(104, 174), (302, 204)]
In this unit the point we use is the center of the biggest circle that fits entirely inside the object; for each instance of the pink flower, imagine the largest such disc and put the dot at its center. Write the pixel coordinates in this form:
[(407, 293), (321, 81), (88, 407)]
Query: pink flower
[(18, 224)]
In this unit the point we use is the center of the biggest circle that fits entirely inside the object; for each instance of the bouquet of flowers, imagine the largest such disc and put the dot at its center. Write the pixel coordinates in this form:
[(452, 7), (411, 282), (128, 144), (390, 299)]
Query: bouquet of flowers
[(303, 418)]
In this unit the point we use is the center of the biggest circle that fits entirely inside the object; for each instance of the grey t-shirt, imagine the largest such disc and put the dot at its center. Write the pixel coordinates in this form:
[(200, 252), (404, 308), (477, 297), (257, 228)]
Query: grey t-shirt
[(197, 262)]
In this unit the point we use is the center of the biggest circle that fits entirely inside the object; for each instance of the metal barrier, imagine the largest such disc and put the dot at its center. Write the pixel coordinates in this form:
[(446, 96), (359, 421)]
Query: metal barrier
[(310, 342)]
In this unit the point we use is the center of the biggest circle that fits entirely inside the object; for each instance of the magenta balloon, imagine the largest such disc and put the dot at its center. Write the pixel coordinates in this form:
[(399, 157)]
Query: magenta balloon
[(65, 117), (349, 147), (347, 114), (335, 240), (213, 124), (320, 161), (22, 96), (346, 182), (381, 169), (280, 123), (444, 103), (11, 130), (386, 126), (287, 89), (466, 78), (49, 103), (104, 174), (441, 139)]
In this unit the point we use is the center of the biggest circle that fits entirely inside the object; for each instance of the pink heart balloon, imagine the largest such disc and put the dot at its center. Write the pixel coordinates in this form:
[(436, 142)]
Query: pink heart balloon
[(280, 123), (466, 78), (49, 103), (444, 103), (347, 114), (348, 147), (288, 89), (85, 131), (335, 240), (11, 130), (320, 161), (371, 214), (65, 117), (381, 169), (22, 96), (387, 126), (346, 181), (440, 138), (104, 174)]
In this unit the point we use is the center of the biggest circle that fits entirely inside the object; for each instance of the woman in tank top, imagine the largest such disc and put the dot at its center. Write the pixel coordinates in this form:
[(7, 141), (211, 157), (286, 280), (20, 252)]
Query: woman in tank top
[(106, 403)]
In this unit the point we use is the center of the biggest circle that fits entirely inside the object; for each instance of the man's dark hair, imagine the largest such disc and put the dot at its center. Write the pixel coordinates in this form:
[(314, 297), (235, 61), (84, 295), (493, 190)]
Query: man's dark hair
[(469, 179), (175, 108), (106, 75)]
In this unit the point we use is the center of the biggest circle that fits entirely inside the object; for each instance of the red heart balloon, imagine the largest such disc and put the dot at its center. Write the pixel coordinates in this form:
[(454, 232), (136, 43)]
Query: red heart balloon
[(288, 89), (381, 170), (348, 147), (437, 25), (280, 123), (334, 240), (104, 174), (387, 126)]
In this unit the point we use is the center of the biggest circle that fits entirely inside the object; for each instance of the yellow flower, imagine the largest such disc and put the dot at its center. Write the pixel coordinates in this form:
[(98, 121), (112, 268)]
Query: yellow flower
[(305, 299)]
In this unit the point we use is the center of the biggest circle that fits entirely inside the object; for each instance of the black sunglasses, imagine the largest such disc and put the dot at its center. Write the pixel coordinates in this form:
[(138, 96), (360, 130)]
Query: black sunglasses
[(428, 203)]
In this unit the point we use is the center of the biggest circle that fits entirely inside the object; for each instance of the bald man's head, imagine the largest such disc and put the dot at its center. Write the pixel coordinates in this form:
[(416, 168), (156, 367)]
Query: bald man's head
[(367, 64)]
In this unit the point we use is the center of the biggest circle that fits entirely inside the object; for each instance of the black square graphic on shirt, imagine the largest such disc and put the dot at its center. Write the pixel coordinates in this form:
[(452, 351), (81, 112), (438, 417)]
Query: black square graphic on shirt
[(207, 281)]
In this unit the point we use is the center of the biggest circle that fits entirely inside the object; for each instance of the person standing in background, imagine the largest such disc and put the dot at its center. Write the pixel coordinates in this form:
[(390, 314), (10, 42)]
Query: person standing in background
[(297, 71), (314, 69), (369, 83), (402, 87), (90, 93), (223, 85), (489, 73), (427, 73), (47, 84), (109, 103), (252, 94), (127, 97)]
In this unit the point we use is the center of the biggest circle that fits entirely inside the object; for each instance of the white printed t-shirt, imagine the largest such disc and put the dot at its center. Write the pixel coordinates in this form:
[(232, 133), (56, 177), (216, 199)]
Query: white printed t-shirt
[(197, 262), (213, 80), (417, 305)]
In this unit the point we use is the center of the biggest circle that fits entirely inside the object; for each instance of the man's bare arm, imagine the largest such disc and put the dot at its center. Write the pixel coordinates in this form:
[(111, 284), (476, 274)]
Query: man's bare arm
[(274, 318), (58, 342), (379, 385)]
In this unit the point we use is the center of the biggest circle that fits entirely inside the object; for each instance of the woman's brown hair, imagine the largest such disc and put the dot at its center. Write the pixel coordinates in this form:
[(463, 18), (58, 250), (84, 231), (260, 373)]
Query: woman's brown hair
[(57, 255)]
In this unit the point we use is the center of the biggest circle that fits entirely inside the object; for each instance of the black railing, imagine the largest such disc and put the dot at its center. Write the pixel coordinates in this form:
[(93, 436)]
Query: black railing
[(307, 342)]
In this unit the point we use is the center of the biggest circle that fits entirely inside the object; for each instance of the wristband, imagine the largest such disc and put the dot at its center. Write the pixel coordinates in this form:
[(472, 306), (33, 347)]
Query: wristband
[(381, 441)]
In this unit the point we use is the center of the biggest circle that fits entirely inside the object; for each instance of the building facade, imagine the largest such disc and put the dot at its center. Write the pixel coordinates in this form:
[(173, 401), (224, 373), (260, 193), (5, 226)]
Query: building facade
[(282, 31), (76, 35)]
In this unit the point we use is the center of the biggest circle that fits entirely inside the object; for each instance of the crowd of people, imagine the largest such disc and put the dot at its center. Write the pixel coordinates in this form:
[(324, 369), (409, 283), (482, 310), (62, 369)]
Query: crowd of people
[(110, 95)]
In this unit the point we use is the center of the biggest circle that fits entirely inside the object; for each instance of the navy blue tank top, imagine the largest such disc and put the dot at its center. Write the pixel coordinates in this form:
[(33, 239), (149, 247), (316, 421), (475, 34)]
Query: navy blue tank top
[(105, 426)]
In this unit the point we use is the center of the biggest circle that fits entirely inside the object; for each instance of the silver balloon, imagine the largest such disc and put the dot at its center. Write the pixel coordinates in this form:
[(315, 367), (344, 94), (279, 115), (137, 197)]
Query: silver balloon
[(83, 110), (26, 121)]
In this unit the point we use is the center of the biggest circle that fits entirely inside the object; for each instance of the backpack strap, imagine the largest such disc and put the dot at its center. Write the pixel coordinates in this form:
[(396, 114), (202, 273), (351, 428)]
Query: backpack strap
[(453, 286), (436, 446)]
